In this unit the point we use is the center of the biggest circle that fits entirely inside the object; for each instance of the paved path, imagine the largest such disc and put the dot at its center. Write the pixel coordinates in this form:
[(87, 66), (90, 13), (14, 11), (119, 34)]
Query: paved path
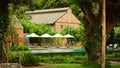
[(114, 62)]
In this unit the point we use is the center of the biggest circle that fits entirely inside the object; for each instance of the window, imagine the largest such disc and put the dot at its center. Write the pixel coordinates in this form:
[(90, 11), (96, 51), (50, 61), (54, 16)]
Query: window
[(61, 26)]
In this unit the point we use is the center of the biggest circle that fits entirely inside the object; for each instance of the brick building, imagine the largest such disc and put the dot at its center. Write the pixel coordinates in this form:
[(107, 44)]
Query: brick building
[(58, 18), (17, 33)]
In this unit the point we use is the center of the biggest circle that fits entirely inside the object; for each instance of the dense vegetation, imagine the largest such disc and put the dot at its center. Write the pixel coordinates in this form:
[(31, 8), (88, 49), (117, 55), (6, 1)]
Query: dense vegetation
[(27, 57), (40, 29), (89, 11), (23, 54)]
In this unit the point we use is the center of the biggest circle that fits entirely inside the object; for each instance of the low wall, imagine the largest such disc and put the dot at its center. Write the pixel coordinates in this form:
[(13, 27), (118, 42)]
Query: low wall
[(10, 65)]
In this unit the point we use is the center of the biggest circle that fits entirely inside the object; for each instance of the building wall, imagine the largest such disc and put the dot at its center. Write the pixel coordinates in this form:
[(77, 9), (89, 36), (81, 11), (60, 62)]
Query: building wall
[(20, 36), (67, 20)]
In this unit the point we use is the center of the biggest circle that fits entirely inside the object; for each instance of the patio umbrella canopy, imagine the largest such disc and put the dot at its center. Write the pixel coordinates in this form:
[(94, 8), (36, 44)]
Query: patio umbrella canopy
[(46, 39), (33, 35), (57, 35), (69, 39), (46, 36), (68, 36)]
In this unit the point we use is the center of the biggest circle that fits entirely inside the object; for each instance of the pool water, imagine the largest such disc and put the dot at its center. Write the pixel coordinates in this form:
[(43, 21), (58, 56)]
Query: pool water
[(57, 50)]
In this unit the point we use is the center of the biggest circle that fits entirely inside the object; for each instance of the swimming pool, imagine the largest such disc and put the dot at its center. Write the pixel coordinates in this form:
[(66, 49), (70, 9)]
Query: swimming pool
[(57, 50)]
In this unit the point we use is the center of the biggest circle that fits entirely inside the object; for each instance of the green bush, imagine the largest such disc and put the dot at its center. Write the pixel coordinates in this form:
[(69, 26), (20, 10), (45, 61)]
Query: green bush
[(18, 48), (51, 59), (77, 57), (69, 60), (58, 59), (46, 59), (13, 57), (113, 57), (61, 59), (30, 60), (116, 55), (41, 59), (27, 58)]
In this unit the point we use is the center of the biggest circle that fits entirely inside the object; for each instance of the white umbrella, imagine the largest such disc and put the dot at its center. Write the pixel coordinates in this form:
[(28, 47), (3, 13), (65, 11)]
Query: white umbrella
[(46, 36), (68, 36), (57, 35), (33, 35)]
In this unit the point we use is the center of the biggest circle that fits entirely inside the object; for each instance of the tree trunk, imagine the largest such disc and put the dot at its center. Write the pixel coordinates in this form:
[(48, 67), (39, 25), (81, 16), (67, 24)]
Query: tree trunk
[(93, 27), (6, 50), (12, 40), (103, 21), (2, 53), (93, 42)]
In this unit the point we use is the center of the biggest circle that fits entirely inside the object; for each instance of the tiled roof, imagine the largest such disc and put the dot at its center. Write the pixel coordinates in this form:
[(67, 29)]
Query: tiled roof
[(48, 16), (48, 10)]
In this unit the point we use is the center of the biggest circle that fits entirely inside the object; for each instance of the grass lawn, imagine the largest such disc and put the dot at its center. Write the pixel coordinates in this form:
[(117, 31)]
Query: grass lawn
[(115, 66), (76, 66), (65, 66)]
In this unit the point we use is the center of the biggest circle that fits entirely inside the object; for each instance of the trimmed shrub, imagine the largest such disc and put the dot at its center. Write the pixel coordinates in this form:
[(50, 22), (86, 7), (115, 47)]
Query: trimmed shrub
[(19, 48), (30, 59), (13, 57), (113, 57), (69, 60), (77, 57), (58, 59), (61, 59)]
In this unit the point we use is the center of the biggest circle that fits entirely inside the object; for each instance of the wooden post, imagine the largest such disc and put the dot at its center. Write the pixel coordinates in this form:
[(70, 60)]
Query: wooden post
[(20, 58), (103, 33)]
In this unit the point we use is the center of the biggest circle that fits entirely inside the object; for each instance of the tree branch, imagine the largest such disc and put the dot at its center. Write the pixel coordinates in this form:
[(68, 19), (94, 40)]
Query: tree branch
[(86, 8)]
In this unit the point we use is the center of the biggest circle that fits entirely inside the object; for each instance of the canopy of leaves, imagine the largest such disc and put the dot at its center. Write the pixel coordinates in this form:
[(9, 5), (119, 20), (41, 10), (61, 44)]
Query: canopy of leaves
[(38, 29), (78, 33)]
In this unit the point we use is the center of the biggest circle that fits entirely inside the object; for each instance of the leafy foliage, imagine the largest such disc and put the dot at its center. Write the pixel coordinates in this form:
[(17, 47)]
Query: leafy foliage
[(68, 30), (2, 54), (51, 4), (61, 59), (27, 59), (91, 21), (13, 57), (30, 59), (78, 33), (19, 48), (115, 56), (116, 37), (4, 22), (38, 29)]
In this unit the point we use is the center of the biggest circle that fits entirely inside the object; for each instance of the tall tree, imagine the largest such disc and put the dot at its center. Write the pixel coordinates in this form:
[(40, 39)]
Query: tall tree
[(4, 22), (92, 10)]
